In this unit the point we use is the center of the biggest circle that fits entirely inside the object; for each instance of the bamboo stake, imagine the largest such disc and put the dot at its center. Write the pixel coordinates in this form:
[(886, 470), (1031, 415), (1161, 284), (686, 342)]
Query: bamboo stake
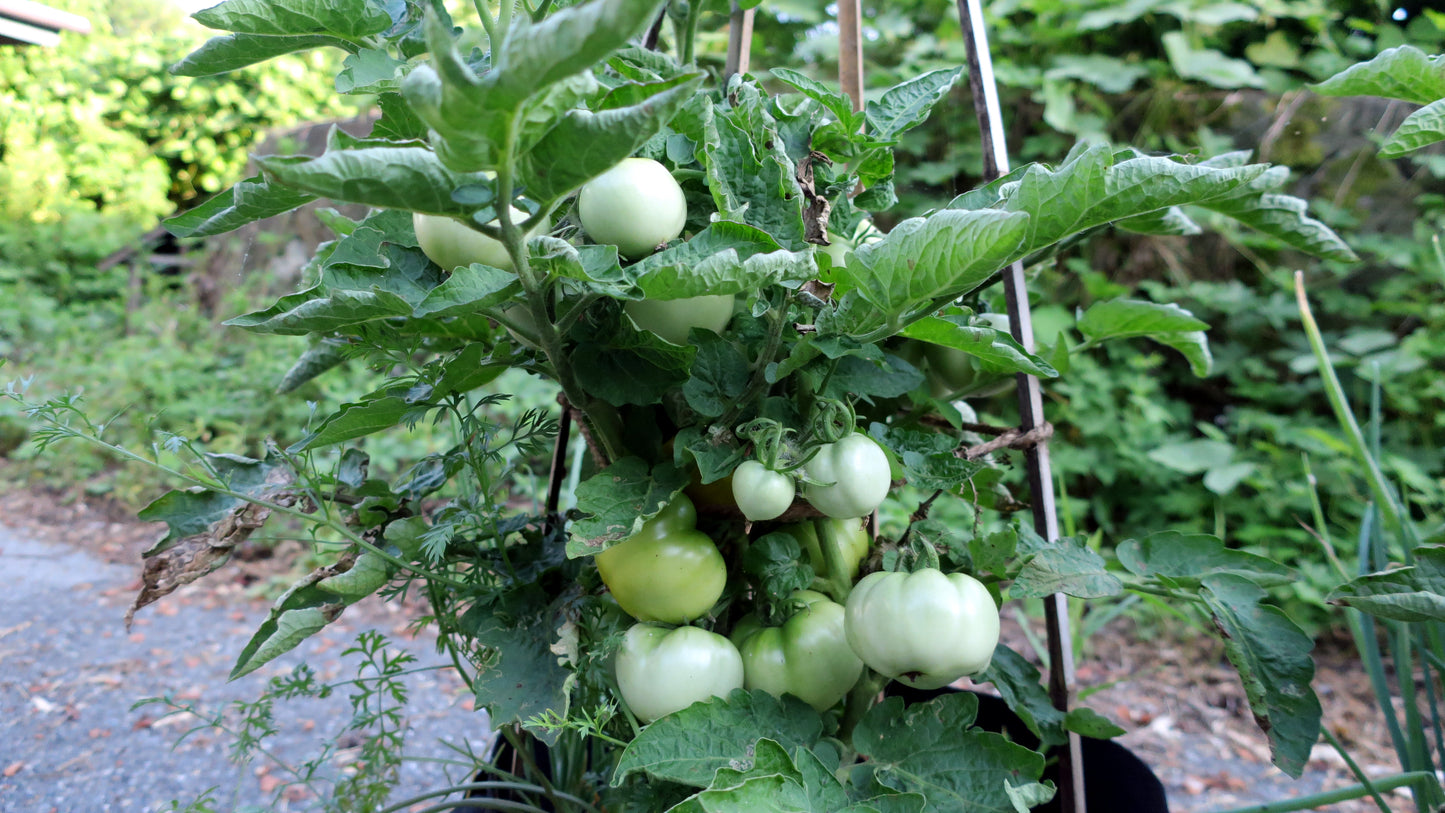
[(740, 41), (1031, 408), (850, 50)]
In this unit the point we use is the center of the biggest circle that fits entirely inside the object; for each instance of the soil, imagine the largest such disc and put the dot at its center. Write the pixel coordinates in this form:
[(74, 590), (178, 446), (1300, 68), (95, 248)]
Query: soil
[(1179, 701)]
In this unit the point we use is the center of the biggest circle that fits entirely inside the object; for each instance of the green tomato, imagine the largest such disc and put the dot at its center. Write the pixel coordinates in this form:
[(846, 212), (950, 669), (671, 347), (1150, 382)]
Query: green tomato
[(450, 243), (761, 493), (846, 540), (671, 319), (924, 629), (854, 475), (660, 671), (636, 206), (952, 372), (668, 571), (808, 656)]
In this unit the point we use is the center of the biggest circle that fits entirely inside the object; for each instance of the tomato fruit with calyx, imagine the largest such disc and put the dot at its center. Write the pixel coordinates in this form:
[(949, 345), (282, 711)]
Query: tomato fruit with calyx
[(451, 244), (660, 671), (761, 493), (636, 206), (668, 571), (851, 477), (808, 656), (925, 629), (672, 319)]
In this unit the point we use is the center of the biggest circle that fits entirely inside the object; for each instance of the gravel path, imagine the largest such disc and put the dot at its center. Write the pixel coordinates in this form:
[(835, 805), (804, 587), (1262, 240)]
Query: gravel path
[(70, 673)]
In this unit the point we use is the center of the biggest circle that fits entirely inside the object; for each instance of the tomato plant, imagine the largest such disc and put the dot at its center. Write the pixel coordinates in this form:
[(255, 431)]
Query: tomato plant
[(569, 118)]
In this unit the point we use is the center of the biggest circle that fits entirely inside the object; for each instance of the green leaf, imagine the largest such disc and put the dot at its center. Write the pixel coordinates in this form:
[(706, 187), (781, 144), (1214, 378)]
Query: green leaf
[(1112, 14), (1186, 558), (869, 378), (188, 514), (248, 201), (943, 256), (631, 367), (286, 631), (929, 749), (463, 372), (1065, 566), (521, 677), (1424, 127), (316, 311), (1164, 222), (724, 258), (1208, 65), (1260, 205), (1089, 723), (471, 115), (996, 350), (347, 19), (907, 104), (410, 178), (720, 374), (751, 175), (766, 780), (715, 455), (1097, 187), (689, 746), (1272, 656), (1193, 456), (583, 144), (1107, 73), (771, 780), (398, 121), (1017, 682), (1414, 593), (1224, 479), (317, 359), (1404, 72), (618, 500), (470, 289), (776, 561), (370, 71), (833, 100), (362, 418), (232, 51), (566, 42), (927, 456), (300, 612), (1167, 324)]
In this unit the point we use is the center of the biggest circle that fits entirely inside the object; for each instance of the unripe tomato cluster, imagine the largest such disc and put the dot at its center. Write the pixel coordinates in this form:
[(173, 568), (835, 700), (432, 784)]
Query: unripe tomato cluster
[(925, 628)]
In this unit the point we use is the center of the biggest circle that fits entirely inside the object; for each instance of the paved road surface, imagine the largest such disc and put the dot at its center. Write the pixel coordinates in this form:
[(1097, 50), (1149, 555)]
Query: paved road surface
[(70, 674)]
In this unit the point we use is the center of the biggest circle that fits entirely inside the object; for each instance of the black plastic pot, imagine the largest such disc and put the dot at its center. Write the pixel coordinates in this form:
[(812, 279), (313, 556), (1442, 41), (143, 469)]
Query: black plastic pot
[(504, 756), (1115, 779)]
